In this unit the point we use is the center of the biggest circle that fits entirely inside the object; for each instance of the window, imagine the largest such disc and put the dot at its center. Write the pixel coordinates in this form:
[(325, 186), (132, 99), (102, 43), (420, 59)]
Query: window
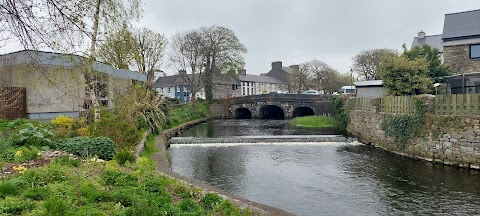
[(475, 51), (243, 90), (248, 83), (233, 87), (169, 89), (178, 88)]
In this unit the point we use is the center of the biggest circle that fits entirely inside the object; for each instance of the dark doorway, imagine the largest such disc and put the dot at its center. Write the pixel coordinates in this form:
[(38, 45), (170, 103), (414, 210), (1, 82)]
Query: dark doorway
[(302, 111), (271, 112), (243, 113)]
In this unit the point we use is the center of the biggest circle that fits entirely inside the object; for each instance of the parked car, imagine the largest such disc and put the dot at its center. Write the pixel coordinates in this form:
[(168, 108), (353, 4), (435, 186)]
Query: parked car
[(347, 90), (311, 91)]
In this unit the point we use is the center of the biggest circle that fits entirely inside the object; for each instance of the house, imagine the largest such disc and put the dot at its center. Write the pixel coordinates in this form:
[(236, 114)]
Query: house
[(435, 41), (369, 89), (55, 83), (461, 41), (282, 73), (258, 84), (178, 87)]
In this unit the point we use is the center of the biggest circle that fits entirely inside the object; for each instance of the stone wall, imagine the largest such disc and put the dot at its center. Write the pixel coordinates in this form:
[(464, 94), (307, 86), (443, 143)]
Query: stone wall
[(458, 59), (451, 140)]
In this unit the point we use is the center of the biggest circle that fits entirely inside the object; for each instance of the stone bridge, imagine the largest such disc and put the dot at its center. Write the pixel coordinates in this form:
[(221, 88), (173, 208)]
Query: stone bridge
[(276, 106)]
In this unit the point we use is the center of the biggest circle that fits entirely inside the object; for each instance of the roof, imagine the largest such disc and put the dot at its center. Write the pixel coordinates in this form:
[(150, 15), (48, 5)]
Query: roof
[(176, 80), (435, 41), (461, 25), (368, 83), (65, 60), (259, 79), (288, 70)]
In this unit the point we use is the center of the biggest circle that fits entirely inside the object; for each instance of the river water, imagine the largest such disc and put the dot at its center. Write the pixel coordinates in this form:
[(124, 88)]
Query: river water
[(324, 178)]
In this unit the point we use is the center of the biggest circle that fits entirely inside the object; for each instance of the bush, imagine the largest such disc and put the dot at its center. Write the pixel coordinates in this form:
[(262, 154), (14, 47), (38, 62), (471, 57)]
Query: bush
[(227, 208), (66, 161), (210, 200), (24, 154), (123, 156), (63, 121), (103, 147), (83, 131), (117, 178), (190, 206), (116, 128), (32, 136)]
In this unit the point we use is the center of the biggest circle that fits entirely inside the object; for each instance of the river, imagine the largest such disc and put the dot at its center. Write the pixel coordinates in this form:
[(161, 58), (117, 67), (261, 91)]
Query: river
[(323, 178)]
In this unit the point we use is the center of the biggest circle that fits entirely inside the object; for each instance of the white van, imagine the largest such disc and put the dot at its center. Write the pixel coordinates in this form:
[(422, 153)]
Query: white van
[(348, 90)]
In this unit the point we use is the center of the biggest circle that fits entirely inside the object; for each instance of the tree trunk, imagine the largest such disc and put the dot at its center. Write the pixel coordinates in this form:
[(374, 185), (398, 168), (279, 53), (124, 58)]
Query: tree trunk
[(150, 79), (193, 87), (91, 72), (208, 82)]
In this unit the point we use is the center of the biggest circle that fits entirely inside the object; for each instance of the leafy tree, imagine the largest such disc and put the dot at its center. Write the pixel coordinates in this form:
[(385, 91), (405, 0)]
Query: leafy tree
[(333, 80), (366, 62), (117, 49), (405, 77), (436, 70)]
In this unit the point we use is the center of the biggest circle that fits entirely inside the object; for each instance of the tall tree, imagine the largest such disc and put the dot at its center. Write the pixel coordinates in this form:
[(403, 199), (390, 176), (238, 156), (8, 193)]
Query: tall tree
[(436, 70), (319, 70), (300, 77), (148, 52), (222, 51), (366, 62), (186, 54), (405, 77), (117, 49), (333, 80)]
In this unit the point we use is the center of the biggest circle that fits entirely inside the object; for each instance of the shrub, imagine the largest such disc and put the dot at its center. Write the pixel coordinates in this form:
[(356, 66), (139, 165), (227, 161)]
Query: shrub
[(190, 206), (103, 147), (90, 192), (116, 128), (25, 154), (15, 206), (8, 188), (117, 178), (227, 208), (55, 207), (123, 156), (112, 165), (37, 193), (33, 136), (83, 131), (210, 200), (63, 121)]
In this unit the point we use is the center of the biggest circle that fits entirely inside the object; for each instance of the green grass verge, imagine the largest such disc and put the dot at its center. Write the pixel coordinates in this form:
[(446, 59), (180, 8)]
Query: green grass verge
[(150, 146), (314, 122)]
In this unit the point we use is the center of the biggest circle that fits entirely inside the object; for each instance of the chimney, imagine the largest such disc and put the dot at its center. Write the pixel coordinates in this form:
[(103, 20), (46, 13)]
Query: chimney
[(421, 35), (295, 67), (182, 72), (243, 72), (277, 65)]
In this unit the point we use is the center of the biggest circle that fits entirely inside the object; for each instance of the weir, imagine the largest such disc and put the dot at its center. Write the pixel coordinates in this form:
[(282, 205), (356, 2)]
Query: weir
[(262, 139)]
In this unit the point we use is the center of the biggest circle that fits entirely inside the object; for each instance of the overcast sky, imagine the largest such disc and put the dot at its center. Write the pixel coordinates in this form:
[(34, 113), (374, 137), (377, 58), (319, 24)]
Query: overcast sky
[(300, 30)]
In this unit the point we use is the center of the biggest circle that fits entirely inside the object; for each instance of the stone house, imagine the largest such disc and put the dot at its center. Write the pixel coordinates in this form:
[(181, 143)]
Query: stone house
[(282, 73), (258, 84), (56, 83), (461, 41)]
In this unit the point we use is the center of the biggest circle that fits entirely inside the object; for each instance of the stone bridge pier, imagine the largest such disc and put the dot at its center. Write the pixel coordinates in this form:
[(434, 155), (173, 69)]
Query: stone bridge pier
[(278, 106)]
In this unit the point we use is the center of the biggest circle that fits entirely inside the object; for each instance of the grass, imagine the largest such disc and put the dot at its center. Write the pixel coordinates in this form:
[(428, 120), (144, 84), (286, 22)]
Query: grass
[(314, 122), (150, 146), (184, 114)]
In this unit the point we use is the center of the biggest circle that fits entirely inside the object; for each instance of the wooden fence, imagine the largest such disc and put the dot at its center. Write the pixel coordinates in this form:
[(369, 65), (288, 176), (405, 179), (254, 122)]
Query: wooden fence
[(461, 104), (387, 104), (360, 104), (13, 103)]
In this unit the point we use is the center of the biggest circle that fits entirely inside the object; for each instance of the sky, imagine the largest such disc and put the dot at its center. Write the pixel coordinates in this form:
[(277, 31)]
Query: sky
[(297, 31)]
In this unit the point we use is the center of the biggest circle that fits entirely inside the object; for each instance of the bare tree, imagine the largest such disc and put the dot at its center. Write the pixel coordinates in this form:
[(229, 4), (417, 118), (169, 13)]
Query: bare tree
[(366, 62), (186, 55), (300, 77), (319, 70), (334, 80), (148, 52), (222, 51)]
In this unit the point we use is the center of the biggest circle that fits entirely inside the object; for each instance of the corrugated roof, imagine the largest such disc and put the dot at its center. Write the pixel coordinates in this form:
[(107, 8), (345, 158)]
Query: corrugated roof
[(369, 83), (434, 41), (259, 79), (462, 24)]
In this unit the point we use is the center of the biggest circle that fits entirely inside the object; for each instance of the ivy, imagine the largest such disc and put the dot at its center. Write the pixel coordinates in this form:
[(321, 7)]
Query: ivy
[(405, 127), (342, 117)]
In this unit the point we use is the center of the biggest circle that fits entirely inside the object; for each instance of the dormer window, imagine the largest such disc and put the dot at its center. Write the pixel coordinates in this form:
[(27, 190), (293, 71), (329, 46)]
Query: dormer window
[(475, 51)]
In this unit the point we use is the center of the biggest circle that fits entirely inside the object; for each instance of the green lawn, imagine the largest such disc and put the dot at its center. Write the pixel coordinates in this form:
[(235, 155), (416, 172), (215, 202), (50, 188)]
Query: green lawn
[(314, 122)]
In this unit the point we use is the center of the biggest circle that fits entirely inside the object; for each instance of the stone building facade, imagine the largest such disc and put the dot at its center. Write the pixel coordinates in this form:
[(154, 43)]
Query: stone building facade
[(457, 57)]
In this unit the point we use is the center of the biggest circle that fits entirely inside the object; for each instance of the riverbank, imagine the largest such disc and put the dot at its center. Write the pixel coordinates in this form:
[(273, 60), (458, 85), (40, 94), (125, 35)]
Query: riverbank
[(163, 165), (314, 122)]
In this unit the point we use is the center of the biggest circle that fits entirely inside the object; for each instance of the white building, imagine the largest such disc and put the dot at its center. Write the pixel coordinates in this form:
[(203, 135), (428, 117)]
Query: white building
[(258, 84)]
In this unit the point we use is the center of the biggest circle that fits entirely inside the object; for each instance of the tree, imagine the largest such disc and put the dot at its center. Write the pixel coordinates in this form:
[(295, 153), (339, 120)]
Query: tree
[(64, 24), (333, 80), (222, 51), (436, 71), (117, 49), (319, 70), (366, 62), (186, 54), (405, 77), (300, 77), (148, 52)]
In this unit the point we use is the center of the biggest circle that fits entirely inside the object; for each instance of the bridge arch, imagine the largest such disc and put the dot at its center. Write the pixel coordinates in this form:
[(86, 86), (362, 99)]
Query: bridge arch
[(271, 112), (302, 111), (242, 113)]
